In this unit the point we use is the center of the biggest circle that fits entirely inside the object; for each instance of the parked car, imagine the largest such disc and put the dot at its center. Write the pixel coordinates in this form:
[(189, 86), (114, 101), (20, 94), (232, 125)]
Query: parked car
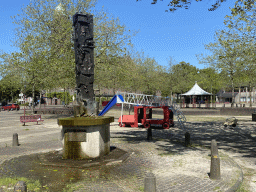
[(10, 107)]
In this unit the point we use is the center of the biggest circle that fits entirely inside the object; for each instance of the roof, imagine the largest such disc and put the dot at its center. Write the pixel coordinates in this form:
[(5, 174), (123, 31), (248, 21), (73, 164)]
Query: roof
[(196, 90)]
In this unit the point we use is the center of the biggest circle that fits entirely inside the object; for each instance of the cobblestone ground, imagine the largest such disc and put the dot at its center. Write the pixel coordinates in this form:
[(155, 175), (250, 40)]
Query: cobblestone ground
[(176, 168)]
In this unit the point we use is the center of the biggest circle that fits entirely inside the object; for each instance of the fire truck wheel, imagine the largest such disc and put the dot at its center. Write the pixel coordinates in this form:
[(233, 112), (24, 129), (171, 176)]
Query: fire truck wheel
[(147, 125), (166, 126)]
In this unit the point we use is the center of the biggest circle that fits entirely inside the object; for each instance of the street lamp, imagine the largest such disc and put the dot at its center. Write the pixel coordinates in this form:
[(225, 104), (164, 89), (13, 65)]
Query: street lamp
[(24, 98)]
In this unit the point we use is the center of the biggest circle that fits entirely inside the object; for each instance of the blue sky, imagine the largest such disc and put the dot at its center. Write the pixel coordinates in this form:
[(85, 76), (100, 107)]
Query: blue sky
[(181, 34)]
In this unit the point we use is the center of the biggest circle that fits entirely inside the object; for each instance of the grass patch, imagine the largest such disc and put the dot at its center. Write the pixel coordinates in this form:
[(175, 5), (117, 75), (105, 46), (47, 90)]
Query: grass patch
[(9, 182), (247, 173), (243, 187), (141, 188)]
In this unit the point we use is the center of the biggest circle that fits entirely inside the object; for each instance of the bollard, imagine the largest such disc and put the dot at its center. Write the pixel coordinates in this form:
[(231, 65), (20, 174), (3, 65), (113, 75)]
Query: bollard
[(149, 134), (20, 186), (150, 182), (15, 141), (215, 161), (187, 139)]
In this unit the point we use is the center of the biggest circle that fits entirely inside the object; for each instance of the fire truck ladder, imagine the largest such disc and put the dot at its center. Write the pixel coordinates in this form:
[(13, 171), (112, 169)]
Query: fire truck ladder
[(179, 115), (141, 99), (151, 100)]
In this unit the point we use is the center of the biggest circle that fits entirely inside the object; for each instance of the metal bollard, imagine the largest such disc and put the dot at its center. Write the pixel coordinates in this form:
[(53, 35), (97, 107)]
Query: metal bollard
[(149, 134), (20, 186), (15, 141), (215, 161), (187, 139), (150, 182)]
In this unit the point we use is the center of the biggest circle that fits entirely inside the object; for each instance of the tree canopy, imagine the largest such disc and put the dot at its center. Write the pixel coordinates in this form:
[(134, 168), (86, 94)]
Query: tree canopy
[(240, 5)]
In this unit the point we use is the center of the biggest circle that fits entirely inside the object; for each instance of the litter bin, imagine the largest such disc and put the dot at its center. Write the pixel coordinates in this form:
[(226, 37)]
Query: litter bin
[(254, 116)]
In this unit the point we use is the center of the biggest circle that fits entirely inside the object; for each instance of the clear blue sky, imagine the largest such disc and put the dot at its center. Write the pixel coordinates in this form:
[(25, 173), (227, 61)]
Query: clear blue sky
[(181, 34)]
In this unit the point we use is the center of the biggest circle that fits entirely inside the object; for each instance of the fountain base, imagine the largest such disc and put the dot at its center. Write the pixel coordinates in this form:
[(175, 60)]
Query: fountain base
[(85, 137), (54, 158)]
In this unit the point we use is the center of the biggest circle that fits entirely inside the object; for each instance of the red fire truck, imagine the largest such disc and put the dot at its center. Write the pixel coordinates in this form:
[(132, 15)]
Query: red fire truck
[(143, 115)]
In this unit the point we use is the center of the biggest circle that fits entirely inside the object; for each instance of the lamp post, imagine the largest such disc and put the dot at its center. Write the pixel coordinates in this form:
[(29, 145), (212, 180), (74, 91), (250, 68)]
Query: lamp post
[(24, 98)]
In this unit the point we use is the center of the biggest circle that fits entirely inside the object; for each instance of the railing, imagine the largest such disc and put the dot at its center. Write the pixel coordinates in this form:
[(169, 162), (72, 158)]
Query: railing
[(179, 115)]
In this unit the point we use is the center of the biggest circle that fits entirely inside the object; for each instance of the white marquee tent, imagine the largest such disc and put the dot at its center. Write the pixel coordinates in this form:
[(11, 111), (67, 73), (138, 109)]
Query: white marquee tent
[(196, 90)]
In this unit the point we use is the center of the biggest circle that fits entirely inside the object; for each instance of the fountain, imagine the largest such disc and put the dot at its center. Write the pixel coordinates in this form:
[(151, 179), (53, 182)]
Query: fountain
[(85, 135)]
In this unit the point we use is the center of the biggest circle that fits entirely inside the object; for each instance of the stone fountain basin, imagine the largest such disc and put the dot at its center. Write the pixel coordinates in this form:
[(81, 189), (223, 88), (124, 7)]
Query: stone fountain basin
[(85, 137), (85, 121)]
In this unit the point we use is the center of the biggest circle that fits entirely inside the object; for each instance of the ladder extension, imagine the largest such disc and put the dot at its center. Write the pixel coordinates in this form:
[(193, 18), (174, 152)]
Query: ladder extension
[(141, 99)]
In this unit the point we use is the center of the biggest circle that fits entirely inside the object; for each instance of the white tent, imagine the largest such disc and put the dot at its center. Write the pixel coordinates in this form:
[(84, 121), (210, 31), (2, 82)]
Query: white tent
[(196, 90)]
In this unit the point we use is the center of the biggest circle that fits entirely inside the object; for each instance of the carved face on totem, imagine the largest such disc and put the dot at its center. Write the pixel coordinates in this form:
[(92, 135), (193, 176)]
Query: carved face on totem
[(84, 45)]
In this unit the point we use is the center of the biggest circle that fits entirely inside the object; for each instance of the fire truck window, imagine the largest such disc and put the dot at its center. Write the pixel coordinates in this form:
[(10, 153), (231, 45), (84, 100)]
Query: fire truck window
[(171, 115), (157, 113)]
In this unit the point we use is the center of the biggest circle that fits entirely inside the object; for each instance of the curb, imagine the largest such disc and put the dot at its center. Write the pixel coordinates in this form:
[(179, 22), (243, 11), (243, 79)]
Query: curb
[(239, 181)]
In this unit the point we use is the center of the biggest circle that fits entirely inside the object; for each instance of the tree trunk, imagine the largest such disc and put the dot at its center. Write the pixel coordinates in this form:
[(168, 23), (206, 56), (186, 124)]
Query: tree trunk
[(12, 96), (250, 94), (171, 97), (240, 95), (233, 95), (33, 96), (40, 99), (64, 96), (211, 96)]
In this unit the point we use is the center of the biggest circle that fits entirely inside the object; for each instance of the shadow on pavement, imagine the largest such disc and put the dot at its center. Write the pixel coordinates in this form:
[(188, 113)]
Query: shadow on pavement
[(238, 139)]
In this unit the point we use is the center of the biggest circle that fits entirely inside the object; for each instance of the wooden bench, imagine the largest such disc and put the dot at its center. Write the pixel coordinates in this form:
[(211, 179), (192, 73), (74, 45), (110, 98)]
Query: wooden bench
[(30, 118)]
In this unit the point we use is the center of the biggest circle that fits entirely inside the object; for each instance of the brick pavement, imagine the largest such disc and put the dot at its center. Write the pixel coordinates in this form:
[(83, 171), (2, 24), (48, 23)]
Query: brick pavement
[(176, 169)]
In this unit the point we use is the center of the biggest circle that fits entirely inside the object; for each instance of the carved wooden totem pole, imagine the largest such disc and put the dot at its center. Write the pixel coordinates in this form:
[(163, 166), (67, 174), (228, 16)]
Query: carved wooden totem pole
[(84, 45)]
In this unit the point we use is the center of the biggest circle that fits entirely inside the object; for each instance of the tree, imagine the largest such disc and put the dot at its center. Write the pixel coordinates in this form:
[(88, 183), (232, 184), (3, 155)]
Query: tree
[(244, 24), (226, 56), (183, 77), (147, 68), (171, 83), (44, 36), (11, 81), (113, 41), (211, 80), (240, 5)]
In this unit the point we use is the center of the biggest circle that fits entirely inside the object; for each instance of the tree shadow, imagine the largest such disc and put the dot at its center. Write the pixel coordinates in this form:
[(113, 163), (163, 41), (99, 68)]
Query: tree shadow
[(237, 139), (164, 140)]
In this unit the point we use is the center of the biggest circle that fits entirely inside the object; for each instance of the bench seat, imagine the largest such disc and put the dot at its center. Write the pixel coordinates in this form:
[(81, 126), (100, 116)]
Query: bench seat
[(30, 118)]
